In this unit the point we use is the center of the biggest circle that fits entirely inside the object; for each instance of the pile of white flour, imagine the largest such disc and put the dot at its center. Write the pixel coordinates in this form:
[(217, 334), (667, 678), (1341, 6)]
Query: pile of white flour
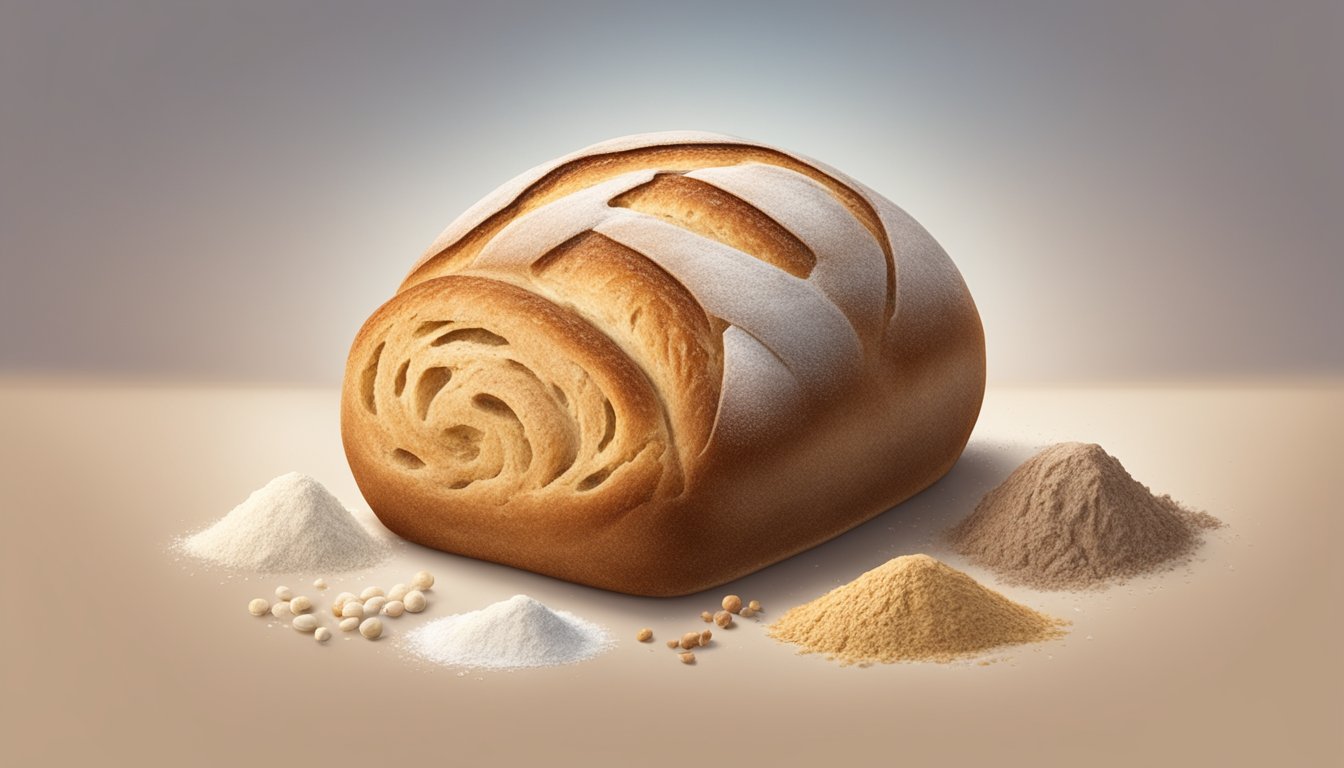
[(292, 525), (518, 632)]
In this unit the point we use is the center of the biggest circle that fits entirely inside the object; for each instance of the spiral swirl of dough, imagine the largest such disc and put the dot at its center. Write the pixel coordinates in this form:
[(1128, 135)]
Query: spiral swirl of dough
[(489, 392)]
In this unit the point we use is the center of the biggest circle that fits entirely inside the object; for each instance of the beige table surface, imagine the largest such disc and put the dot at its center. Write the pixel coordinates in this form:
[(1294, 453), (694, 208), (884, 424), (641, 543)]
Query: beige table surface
[(116, 651)]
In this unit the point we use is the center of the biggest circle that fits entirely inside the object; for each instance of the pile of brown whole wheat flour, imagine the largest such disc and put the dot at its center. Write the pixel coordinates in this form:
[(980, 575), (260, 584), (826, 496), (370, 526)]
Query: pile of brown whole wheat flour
[(912, 608), (1071, 517)]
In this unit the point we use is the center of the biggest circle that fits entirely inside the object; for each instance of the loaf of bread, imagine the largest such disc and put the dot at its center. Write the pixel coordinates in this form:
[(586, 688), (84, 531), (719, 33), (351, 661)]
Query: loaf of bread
[(661, 363)]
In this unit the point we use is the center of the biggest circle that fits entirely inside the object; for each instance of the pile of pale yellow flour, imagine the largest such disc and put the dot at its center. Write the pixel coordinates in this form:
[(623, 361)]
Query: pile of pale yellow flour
[(912, 608)]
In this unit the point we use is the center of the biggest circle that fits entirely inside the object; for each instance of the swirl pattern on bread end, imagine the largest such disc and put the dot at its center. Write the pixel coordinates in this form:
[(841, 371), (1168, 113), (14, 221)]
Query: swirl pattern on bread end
[(487, 393)]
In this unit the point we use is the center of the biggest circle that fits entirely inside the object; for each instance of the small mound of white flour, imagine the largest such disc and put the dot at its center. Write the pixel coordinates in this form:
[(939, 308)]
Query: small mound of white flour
[(518, 632), (291, 525)]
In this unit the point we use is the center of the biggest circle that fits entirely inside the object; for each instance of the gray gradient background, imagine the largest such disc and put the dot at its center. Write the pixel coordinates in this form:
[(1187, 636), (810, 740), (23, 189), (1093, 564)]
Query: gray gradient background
[(224, 191)]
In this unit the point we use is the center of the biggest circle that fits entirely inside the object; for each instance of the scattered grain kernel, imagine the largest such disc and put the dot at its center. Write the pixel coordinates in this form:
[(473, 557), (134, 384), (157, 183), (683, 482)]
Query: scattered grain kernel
[(398, 592), (688, 658), (319, 583), (394, 608), (352, 609), (350, 624), (258, 607), (706, 616), (414, 601), (673, 644), (343, 597), (371, 592), (645, 635), (300, 604), (423, 580), (283, 593), (280, 610), (732, 603), (340, 602), (371, 628), (724, 619), (374, 605), (305, 623), (322, 635), (755, 606), (705, 636), (690, 640), (747, 613)]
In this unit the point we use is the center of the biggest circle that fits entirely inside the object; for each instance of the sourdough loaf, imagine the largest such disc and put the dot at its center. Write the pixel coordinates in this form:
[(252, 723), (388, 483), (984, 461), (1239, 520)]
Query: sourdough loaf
[(660, 363)]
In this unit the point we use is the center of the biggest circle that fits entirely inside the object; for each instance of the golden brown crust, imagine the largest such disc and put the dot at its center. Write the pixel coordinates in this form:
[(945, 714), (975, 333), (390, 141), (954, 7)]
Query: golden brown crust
[(587, 171), (649, 315), (559, 408), (709, 211)]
